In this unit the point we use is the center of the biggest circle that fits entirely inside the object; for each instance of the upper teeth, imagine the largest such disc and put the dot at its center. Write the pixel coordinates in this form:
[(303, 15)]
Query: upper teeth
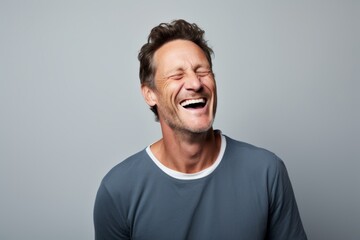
[(192, 101)]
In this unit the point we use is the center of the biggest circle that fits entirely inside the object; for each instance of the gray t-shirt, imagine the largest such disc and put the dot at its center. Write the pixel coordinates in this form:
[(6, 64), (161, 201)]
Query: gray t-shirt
[(245, 195)]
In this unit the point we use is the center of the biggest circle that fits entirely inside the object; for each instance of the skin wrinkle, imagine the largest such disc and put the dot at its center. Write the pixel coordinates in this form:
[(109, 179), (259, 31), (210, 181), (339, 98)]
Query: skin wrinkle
[(183, 72), (167, 89)]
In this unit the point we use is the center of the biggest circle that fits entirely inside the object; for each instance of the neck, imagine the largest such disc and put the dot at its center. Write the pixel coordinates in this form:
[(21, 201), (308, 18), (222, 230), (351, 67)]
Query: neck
[(187, 152)]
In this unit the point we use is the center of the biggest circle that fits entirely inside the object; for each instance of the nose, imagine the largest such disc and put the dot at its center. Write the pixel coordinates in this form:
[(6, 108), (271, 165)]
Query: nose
[(193, 82)]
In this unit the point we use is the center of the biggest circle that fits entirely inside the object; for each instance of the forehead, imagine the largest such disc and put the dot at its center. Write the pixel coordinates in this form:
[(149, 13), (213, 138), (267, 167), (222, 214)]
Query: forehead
[(178, 54)]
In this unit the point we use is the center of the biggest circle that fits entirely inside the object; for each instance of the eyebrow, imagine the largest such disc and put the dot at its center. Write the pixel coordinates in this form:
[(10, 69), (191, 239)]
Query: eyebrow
[(205, 66), (183, 69)]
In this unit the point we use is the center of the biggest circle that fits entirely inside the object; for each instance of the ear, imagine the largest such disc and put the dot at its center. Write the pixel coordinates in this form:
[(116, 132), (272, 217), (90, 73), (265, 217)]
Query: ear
[(149, 95)]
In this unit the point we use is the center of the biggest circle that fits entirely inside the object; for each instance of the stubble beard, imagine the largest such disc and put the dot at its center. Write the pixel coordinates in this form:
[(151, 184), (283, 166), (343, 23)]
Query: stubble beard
[(181, 127)]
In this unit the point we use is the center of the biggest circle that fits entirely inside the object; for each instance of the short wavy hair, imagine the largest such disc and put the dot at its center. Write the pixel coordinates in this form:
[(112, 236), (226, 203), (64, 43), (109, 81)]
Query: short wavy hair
[(164, 33)]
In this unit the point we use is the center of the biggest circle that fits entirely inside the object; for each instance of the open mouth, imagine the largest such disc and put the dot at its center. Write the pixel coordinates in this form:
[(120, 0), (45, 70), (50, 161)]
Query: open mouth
[(193, 103)]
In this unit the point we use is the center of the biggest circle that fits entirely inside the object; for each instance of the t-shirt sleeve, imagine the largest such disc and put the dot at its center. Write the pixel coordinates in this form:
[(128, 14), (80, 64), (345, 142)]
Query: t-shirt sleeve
[(108, 222), (284, 219)]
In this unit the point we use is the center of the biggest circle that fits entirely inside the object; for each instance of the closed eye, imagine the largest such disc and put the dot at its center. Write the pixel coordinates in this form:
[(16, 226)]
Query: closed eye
[(177, 76), (203, 73)]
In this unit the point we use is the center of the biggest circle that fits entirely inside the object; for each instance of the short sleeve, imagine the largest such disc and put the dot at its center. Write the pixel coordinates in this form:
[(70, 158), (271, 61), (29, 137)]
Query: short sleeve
[(284, 221), (108, 223)]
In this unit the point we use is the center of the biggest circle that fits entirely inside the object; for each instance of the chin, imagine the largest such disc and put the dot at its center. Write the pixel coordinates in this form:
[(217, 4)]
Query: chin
[(192, 126), (200, 129)]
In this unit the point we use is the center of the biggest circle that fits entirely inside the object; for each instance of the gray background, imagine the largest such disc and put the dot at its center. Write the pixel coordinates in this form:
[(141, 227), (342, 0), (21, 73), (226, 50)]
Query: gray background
[(288, 80)]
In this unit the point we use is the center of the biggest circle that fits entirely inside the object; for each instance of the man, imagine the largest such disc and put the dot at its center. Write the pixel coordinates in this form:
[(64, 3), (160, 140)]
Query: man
[(195, 182)]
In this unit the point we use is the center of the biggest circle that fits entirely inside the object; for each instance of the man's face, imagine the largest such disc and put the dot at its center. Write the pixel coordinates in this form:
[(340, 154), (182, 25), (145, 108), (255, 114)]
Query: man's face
[(185, 89)]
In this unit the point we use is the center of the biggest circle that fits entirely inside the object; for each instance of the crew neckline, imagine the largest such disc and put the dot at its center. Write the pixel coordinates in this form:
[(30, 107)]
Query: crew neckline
[(190, 176)]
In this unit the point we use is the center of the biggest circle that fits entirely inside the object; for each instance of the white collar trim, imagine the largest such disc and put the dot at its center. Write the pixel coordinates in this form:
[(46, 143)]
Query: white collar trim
[(190, 176)]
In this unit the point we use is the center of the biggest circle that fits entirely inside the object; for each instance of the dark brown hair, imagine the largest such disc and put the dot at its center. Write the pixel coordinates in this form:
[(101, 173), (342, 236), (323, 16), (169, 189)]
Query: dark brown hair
[(161, 34)]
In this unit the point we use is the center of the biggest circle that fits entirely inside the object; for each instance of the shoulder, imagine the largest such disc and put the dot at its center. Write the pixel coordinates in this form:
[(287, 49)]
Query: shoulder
[(250, 153), (254, 164), (112, 204), (251, 160), (124, 175)]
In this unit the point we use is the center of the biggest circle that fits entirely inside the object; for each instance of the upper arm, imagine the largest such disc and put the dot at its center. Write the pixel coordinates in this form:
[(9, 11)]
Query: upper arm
[(284, 219), (109, 222)]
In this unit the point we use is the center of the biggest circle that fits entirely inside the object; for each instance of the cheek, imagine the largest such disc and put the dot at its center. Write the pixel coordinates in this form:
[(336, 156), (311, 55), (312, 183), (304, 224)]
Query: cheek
[(166, 93), (210, 84), (164, 85), (171, 89)]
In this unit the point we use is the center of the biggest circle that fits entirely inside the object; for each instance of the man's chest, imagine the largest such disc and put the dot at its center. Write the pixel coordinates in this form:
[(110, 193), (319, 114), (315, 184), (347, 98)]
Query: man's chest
[(199, 211)]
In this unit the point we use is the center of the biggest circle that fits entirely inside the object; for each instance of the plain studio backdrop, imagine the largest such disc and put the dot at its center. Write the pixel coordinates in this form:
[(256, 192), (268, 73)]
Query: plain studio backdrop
[(288, 77)]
